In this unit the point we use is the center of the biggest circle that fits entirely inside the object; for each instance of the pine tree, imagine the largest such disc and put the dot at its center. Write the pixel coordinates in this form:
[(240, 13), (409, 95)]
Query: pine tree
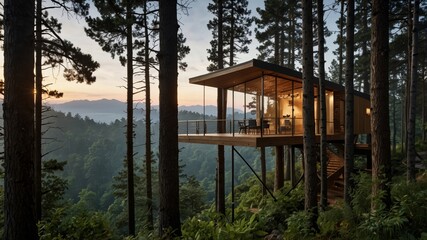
[(278, 32), (230, 31), (362, 45), (236, 23), (168, 138), (114, 31), (18, 108), (410, 156), (349, 104), (55, 50), (323, 140), (310, 173), (380, 129)]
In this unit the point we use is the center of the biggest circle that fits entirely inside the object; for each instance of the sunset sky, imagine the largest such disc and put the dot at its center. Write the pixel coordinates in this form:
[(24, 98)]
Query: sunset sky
[(111, 75)]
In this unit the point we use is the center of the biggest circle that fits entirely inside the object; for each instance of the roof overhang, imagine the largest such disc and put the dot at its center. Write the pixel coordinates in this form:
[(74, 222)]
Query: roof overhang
[(244, 72), (255, 69)]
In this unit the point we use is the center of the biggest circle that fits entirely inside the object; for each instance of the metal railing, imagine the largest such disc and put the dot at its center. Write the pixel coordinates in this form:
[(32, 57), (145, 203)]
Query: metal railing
[(268, 126)]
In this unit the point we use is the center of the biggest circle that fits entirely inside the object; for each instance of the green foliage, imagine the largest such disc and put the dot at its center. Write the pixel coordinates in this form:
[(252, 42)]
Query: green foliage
[(210, 225), (85, 225), (76, 221), (404, 220), (337, 222), (384, 224), (361, 197), (299, 226), (274, 214), (53, 186), (192, 198)]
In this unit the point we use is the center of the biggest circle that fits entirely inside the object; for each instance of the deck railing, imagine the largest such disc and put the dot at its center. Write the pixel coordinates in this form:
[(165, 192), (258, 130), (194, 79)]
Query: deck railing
[(269, 126)]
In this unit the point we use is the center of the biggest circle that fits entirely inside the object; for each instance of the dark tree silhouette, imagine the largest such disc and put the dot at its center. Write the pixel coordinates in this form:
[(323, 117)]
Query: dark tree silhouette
[(18, 109), (168, 101), (349, 103), (380, 129), (310, 173), (323, 143)]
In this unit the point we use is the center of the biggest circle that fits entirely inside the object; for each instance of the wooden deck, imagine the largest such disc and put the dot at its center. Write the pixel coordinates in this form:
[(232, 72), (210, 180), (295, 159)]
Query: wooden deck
[(249, 140)]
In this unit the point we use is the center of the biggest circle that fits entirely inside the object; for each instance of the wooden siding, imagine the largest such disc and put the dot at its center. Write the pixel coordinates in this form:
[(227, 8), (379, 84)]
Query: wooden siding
[(361, 118)]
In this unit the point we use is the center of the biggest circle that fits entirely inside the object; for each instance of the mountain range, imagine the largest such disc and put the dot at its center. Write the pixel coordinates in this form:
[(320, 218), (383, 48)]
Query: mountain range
[(108, 110)]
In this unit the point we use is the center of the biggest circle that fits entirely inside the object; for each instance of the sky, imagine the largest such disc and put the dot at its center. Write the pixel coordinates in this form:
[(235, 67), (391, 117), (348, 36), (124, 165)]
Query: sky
[(110, 77)]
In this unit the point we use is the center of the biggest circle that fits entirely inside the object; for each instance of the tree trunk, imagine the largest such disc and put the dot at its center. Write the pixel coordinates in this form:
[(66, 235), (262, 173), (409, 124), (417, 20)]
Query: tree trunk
[(310, 172), (349, 104), (279, 169), (365, 52), (148, 152), (424, 125), (406, 108), (18, 109), (38, 114), (323, 143), (410, 155), (341, 44), (129, 125), (168, 139), (394, 112), (380, 128), (232, 48), (221, 108)]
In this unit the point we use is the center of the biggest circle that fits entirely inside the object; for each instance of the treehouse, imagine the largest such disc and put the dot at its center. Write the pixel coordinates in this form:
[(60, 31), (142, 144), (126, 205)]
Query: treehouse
[(265, 110)]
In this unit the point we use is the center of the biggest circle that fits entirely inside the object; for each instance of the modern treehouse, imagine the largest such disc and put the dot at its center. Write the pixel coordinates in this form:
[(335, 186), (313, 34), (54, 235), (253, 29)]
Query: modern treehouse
[(271, 98)]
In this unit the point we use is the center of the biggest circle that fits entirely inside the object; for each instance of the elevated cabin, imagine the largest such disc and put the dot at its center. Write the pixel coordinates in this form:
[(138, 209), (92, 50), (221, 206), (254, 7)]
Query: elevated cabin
[(270, 97)]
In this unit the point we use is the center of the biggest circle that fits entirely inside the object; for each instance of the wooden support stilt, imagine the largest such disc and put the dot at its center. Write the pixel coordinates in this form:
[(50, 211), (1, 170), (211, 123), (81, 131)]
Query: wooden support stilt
[(279, 169)]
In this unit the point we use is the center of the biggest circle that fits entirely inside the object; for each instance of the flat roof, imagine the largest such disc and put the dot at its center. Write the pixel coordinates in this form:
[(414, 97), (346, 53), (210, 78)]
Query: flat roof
[(254, 69)]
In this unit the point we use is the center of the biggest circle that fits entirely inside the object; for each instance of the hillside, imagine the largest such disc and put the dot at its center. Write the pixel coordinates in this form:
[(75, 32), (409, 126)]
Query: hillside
[(108, 110)]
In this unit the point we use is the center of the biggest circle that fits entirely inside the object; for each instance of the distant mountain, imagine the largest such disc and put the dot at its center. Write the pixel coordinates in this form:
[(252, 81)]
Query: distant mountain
[(103, 110), (108, 110)]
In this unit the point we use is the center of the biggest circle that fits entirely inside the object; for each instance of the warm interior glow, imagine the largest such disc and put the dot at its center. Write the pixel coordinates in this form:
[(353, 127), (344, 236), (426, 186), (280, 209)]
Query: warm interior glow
[(368, 111)]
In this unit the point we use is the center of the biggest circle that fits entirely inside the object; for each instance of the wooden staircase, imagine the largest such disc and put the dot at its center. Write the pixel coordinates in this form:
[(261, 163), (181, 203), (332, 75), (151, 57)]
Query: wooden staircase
[(335, 168)]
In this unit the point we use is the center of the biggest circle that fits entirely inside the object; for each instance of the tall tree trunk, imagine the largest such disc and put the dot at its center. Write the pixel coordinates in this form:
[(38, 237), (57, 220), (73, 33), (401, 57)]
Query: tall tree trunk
[(232, 39), (129, 126), (424, 125), (310, 172), (394, 112), (38, 114), (408, 82), (380, 128), (292, 45), (341, 44), (148, 152), (410, 156), (365, 52), (168, 141), (322, 98), (349, 104), (221, 108), (282, 44), (18, 111)]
